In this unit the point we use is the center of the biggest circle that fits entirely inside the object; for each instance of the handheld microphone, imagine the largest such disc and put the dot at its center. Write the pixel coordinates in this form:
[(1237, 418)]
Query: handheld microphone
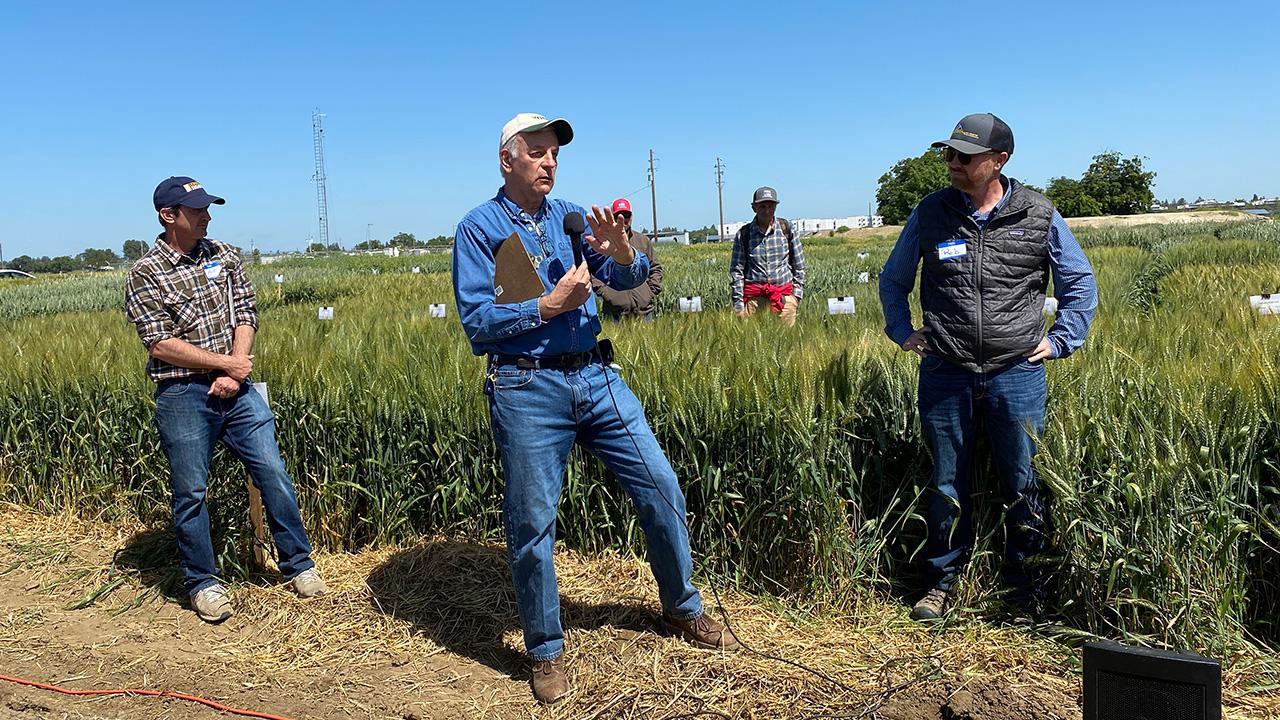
[(574, 227)]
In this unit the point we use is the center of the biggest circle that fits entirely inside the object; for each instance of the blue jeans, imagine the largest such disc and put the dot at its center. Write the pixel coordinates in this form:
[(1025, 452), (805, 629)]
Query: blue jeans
[(1010, 404), (190, 423), (537, 415)]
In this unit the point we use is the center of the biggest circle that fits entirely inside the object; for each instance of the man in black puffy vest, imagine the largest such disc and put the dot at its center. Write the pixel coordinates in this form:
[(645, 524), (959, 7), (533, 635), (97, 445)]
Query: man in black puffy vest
[(987, 247)]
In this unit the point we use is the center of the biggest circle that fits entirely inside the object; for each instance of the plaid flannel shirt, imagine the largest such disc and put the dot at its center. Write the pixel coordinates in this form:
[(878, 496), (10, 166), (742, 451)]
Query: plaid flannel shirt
[(168, 295), (760, 257)]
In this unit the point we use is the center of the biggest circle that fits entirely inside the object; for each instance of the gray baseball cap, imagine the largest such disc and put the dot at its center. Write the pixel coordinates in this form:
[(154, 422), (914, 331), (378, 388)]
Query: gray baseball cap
[(764, 194), (979, 133)]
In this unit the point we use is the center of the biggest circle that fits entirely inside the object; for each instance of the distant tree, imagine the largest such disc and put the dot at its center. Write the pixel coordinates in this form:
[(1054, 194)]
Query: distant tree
[(256, 257), (701, 234), (1037, 188), (94, 258), (1069, 197), (1119, 185), (1254, 198), (134, 250), (906, 184), (440, 240), (25, 263), (315, 247), (368, 245), (404, 239), (333, 247)]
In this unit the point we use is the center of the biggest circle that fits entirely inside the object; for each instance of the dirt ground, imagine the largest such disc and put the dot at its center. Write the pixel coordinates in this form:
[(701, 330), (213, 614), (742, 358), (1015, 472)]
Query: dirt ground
[(429, 631)]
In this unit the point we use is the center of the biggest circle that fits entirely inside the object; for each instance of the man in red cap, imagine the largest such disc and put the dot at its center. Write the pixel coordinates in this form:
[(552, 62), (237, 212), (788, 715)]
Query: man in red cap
[(638, 301)]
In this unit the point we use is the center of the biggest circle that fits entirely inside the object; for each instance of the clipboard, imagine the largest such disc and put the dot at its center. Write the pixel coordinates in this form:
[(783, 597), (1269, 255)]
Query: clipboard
[(514, 277)]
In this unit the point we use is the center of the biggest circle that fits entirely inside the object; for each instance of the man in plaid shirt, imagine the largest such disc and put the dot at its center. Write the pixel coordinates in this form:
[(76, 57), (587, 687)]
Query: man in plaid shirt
[(767, 269), (193, 307)]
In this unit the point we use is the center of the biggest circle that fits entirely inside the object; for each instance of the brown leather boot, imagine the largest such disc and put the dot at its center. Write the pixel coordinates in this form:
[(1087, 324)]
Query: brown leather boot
[(550, 682), (703, 631)]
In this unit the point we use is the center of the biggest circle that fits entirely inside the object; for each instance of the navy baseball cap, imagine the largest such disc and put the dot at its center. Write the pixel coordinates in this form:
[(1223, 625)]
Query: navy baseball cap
[(979, 133), (180, 190)]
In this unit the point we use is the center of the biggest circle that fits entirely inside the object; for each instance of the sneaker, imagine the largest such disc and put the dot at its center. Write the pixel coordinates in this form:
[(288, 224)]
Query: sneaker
[(212, 604), (308, 584), (550, 682), (932, 606), (703, 631)]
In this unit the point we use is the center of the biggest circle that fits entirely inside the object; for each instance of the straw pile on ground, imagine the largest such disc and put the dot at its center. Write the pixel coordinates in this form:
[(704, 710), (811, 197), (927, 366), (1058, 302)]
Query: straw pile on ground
[(430, 631)]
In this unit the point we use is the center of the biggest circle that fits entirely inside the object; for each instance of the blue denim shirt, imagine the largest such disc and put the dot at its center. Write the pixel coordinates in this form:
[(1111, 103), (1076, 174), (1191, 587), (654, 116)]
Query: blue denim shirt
[(1073, 283), (518, 328)]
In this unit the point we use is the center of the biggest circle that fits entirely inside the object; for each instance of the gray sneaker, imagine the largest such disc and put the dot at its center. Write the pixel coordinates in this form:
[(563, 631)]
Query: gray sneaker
[(212, 604), (932, 606), (308, 584)]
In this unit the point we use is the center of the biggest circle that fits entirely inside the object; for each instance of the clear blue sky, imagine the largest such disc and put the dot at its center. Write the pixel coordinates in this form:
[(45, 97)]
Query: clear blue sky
[(102, 100)]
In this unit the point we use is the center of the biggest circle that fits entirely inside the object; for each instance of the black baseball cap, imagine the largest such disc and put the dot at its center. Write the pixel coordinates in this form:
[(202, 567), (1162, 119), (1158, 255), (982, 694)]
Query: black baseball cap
[(979, 133), (179, 190), (764, 194)]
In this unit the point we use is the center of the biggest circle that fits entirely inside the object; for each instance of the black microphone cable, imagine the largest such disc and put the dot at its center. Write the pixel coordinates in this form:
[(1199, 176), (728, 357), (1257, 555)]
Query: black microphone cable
[(879, 697)]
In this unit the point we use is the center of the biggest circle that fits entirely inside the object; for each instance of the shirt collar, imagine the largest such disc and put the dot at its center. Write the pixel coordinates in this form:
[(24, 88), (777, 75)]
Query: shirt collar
[(203, 249), (1004, 182), (515, 211)]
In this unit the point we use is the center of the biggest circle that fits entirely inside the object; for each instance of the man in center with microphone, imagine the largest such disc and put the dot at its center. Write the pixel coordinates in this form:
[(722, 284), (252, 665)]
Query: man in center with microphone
[(549, 385)]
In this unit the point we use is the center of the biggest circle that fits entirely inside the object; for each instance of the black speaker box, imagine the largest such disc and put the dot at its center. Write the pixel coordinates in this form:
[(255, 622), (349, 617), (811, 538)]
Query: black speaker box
[(1126, 683)]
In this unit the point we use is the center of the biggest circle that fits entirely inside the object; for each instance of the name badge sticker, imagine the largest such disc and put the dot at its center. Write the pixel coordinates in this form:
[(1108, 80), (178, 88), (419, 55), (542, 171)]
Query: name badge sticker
[(212, 269), (952, 250)]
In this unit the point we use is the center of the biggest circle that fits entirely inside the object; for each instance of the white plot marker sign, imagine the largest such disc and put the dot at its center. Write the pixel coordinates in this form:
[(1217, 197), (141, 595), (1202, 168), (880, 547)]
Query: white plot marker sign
[(436, 310), (840, 306), (864, 277), (416, 270), (279, 279), (326, 313), (1266, 303), (691, 303), (863, 256)]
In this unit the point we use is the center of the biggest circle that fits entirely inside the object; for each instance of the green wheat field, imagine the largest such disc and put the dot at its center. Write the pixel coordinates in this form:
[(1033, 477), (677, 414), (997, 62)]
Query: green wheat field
[(799, 448)]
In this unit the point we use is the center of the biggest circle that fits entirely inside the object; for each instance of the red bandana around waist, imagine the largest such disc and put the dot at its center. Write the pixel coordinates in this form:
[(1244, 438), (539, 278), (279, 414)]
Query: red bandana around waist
[(775, 293)]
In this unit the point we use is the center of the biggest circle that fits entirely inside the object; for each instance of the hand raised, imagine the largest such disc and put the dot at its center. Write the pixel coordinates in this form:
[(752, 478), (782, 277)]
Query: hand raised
[(609, 235)]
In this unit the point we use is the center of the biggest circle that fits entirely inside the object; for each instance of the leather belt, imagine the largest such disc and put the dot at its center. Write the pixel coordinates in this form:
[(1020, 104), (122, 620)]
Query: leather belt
[(567, 361)]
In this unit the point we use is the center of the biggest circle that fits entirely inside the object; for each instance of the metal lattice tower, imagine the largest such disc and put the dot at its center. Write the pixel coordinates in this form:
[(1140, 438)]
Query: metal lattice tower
[(322, 199)]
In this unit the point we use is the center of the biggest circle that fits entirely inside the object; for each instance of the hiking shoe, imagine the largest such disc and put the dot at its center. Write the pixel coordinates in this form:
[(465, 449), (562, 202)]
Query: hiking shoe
[(550, 682), (308, 584), (932, 606), (212, 604), (703, 631)]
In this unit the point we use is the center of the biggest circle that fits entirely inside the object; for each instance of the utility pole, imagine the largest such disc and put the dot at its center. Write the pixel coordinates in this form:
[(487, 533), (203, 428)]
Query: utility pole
[(653, 196), (720, 193), (368, 233)]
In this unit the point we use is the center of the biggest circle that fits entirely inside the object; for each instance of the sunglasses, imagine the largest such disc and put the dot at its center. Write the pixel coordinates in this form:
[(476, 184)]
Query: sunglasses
[(950, 153)]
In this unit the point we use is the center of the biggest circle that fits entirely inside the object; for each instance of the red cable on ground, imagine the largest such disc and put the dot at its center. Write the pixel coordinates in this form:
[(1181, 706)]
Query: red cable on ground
[(154, 693)]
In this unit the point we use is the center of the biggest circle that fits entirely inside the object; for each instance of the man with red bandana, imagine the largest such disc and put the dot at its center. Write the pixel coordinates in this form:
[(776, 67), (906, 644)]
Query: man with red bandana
[(767, 269)]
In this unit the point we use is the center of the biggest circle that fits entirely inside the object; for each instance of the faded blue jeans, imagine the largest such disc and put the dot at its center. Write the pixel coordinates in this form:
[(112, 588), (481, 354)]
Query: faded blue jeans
[(1009, 404), (537, 415), (190, 423)]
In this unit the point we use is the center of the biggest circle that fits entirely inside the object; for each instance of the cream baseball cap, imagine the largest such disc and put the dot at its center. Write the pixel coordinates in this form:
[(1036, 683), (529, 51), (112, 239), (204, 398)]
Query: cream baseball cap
[(533, 122)]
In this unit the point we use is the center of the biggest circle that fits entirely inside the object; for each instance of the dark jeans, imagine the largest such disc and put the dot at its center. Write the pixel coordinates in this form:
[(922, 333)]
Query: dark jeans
[(190, 423), (1010, 404)]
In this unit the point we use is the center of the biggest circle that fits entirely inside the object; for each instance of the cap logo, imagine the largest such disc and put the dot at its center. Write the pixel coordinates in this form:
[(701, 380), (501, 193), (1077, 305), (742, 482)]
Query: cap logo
[(191, 186), (961, 131)]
